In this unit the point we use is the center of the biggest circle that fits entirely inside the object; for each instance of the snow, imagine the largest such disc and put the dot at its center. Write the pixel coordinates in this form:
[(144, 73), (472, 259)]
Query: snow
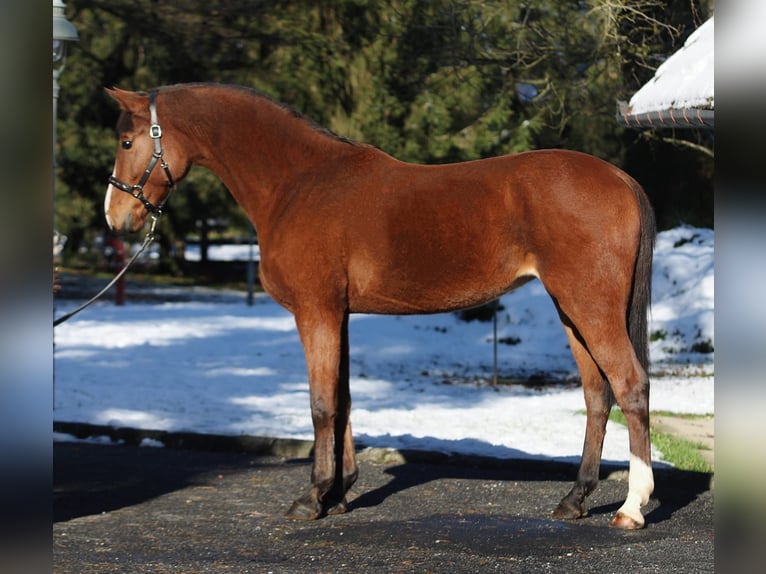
[(229, 252), (216, 365), (684, 80)]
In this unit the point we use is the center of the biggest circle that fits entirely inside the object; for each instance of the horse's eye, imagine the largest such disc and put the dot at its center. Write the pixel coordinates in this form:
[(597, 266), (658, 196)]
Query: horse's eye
[(127, 144)]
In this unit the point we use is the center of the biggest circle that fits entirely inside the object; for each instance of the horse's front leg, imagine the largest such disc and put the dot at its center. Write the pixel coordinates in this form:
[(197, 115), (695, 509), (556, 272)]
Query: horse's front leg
[(324, 335)]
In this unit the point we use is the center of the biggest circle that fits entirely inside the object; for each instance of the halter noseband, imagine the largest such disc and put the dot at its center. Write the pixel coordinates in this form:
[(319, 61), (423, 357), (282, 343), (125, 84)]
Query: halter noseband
[(137, 190)]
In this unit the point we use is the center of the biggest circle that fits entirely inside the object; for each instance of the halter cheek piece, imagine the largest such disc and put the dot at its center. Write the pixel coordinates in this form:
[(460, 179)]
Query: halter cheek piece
[(137, 190)]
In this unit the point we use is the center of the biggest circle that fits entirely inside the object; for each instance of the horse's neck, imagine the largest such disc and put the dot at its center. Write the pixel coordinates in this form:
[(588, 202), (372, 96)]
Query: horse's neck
[(256, 147)]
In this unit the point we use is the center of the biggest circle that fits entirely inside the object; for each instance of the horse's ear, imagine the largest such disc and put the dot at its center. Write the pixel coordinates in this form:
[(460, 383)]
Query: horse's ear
[(129, 101)]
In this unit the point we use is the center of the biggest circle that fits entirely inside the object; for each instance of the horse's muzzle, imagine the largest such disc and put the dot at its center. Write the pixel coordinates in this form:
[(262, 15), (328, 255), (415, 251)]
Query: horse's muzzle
[(124, 223)]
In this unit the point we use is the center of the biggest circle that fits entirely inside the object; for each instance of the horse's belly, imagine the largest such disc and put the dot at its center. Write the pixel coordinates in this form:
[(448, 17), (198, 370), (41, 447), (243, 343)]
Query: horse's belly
[(403, 291)]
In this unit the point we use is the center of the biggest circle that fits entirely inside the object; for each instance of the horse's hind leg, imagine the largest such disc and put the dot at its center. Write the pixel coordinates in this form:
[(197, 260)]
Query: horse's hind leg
[(598, 403), (632, 395), (604, 334), (345, 453), (630, 385), (324, 334)]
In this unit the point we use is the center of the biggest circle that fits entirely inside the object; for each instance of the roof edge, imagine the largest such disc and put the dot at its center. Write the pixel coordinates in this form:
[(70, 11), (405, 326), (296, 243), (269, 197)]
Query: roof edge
[(670, 118)]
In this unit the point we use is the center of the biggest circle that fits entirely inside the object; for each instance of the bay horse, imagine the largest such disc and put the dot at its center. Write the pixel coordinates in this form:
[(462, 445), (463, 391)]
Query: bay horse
[(345, 228)]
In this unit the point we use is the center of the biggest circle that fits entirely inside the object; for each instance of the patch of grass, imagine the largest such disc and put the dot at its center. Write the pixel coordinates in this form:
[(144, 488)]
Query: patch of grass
[(682, 454), (676, 415)]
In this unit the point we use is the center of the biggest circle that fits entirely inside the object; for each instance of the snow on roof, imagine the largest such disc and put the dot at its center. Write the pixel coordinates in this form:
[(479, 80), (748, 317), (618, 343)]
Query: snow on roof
[(685, 80), (681, 93)]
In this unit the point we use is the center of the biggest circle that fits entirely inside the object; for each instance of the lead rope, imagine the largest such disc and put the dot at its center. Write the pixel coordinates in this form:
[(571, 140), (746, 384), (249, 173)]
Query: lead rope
[(147, 240)]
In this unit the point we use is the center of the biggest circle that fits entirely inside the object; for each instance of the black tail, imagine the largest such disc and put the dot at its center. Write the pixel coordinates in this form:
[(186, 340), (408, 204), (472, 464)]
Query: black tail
[(641, 294)]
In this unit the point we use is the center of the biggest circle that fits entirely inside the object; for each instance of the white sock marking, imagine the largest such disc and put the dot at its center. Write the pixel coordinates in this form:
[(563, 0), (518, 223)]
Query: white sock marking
[(640, 488)]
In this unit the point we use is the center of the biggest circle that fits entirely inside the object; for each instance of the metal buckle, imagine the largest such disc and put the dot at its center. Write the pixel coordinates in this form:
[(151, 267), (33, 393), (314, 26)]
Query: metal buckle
[(155, 131)]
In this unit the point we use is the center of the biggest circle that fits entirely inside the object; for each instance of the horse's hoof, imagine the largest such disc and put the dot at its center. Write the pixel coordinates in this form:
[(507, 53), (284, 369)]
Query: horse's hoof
[(339, 508), (568, 511), (301, 510), (625, 522)]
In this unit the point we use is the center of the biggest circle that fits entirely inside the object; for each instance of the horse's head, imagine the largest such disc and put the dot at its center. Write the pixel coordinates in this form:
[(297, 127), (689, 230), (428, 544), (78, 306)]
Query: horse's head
[(147, 164)]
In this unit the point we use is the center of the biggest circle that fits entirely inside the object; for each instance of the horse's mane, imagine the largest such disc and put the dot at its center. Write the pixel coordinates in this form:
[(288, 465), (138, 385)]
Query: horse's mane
[(253, 92)]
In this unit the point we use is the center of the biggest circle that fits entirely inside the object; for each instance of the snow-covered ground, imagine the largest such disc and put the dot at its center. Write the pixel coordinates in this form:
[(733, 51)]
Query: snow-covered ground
[(419, 382)]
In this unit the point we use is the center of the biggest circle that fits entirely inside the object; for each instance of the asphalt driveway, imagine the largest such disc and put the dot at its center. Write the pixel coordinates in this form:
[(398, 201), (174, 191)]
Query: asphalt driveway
[(130, 509)]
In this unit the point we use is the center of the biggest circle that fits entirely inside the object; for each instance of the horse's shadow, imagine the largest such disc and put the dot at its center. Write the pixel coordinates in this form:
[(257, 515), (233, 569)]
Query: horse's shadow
[(674, 489), (91, 479)]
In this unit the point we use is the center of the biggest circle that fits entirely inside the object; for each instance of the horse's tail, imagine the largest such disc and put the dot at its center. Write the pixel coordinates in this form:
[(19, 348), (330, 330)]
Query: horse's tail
[(641, 292)]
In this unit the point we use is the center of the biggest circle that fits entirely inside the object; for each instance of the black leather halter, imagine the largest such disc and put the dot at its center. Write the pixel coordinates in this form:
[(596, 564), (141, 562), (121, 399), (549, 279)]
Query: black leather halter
[(137, 190)]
